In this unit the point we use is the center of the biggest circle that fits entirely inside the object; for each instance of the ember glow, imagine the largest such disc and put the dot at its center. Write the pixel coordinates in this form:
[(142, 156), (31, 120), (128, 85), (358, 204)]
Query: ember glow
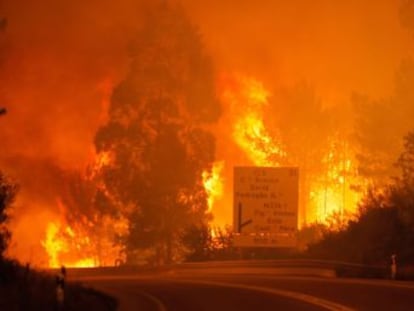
[(249, 132), (213, 183), (61, 249), (85, 241), (331, 192), (84, 246), (102, 159)]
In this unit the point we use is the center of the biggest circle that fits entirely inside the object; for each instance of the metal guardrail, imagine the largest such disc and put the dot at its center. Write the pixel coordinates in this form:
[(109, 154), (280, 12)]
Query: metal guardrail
[(341, 269)]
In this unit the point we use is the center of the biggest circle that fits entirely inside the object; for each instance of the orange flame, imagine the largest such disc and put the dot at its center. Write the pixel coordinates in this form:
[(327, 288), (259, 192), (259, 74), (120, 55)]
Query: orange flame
[(86, 243), (329, 191), (58, 247), (82, 246), (213, 183), (249, 130)]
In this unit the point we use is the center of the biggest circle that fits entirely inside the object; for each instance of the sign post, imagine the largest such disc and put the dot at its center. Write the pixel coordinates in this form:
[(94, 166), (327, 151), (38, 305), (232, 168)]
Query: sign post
[(265, 206), (242, 224)]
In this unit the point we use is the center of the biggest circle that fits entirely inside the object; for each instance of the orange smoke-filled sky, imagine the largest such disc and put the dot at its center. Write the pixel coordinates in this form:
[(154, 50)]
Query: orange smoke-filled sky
[(63, 57), (338, 46)]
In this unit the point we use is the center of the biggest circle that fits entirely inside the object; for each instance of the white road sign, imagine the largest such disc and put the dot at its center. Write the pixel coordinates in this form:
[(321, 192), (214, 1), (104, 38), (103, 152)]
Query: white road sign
[(265, 202)]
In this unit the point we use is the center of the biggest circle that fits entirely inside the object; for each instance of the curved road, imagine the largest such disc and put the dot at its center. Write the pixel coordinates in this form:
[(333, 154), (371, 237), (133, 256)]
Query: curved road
[(207, 288)]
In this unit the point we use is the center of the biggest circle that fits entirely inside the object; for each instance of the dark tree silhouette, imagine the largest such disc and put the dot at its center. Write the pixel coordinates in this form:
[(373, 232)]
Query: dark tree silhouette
[(155, 135), (385, 224), (8, 192), (3, 25), (406, 161)]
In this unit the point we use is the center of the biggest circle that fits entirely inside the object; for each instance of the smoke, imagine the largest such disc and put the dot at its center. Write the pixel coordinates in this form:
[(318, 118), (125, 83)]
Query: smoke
[(61, 60), (339, 47), (58, 63), (407, 14), (335, 48)]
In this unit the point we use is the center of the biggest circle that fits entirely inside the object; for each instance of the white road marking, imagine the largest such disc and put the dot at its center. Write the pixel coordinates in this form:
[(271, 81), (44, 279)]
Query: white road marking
[(155, 300), (372, 282), (326, 304)]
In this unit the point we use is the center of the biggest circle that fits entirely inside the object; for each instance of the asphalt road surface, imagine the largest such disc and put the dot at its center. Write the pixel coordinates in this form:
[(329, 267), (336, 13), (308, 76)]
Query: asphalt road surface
[(211, 287)]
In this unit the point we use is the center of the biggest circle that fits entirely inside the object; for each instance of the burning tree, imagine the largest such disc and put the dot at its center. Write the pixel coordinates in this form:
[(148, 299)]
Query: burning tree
[(291, 127), (385, 223), (305, 128), (7, 189), (379, 126), (377, 144), (92, 225), (406, 161), (155, 134)]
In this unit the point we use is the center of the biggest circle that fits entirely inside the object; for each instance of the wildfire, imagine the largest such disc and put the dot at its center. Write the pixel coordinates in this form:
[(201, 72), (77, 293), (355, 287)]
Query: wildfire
[(213, 183), (58, 244), (89, 240), (99, 161), (249, 131), (328, 191), (83, 245), (52, 245), (90, 243), (331, 191)]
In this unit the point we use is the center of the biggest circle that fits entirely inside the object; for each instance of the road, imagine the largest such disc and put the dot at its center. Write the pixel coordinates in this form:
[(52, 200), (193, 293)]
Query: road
[(225, 287)]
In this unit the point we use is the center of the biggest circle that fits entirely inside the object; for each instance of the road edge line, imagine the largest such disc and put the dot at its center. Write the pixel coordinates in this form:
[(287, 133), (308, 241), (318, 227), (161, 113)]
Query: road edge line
[(320, 302), (160, 305), (360, 281)]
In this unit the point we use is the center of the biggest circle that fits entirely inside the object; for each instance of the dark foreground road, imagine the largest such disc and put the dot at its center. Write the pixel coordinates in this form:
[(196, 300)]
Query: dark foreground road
[(208, 288)]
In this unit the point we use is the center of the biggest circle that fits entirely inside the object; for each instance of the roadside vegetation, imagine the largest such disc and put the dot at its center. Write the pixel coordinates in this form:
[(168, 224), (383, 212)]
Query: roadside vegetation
[(23, 288), (383, 226)]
